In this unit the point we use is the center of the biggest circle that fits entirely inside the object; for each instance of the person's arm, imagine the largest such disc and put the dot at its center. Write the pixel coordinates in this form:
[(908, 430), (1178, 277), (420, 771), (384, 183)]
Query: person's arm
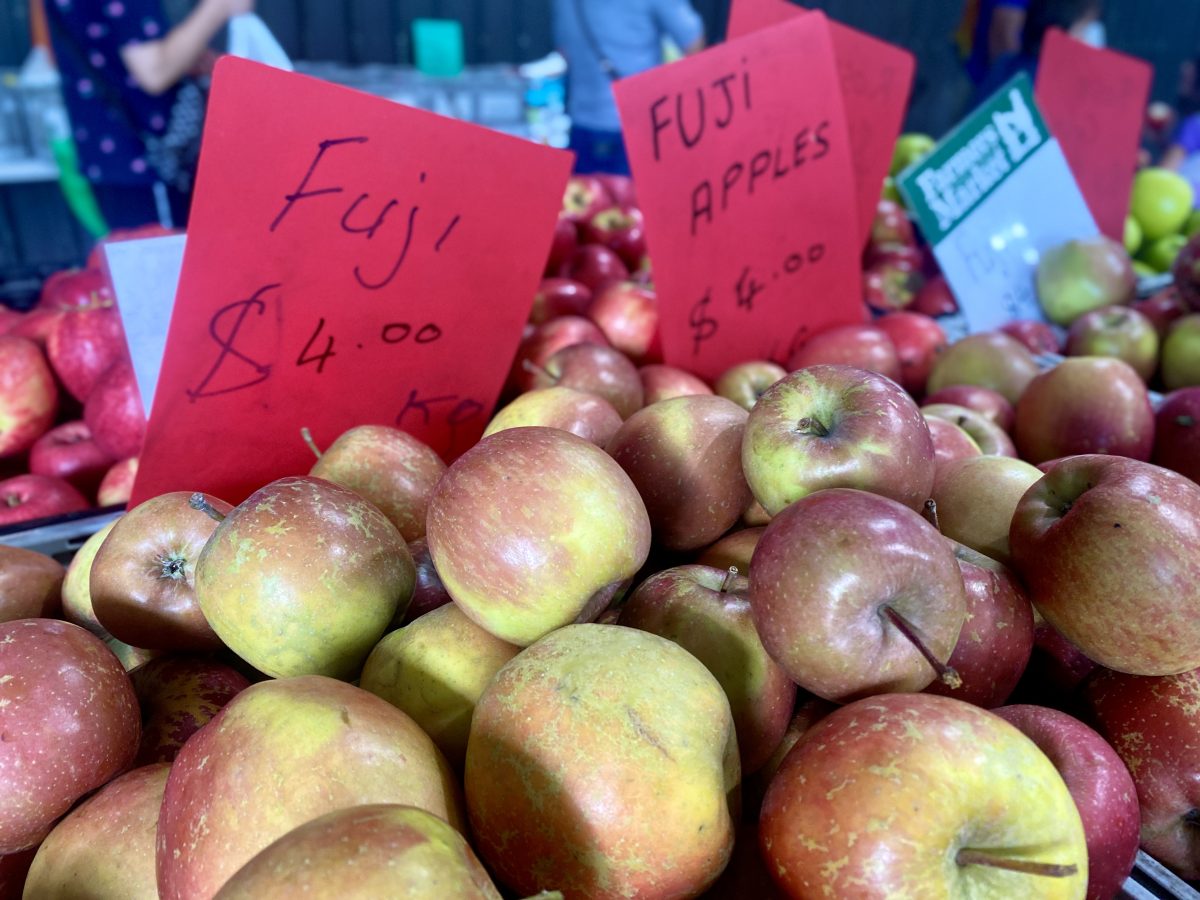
[(681, 23), (159, 64), (1004, 31)]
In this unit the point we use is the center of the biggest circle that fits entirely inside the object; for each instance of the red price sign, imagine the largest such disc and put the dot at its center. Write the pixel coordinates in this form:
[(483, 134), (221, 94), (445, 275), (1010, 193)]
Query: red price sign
[(876, 80), (742, 162), (349, 261), (1095, 103)]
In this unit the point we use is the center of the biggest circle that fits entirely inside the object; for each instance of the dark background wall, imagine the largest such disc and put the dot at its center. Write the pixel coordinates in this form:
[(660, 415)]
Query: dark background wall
[(35, 228)]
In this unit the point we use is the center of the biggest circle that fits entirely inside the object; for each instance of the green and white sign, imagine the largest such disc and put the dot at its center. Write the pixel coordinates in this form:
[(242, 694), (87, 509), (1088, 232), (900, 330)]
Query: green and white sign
[(990, 199)]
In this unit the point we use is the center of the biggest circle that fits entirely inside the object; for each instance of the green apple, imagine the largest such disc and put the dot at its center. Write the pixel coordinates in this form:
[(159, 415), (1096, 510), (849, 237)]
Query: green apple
[(1161, 202), (1142, 270), (1181, 354), (1192, 225), (890, 191), (1081, 275), (1160, 254), (909, 149), (1133, 235)]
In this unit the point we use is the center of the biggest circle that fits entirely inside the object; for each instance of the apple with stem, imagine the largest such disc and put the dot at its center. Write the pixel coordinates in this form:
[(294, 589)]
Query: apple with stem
[(991, 360), (622, 230), (544, 341), (68, 452), (24, 498), (990, 404), (991, 439), (593, 369), (1118, 332)]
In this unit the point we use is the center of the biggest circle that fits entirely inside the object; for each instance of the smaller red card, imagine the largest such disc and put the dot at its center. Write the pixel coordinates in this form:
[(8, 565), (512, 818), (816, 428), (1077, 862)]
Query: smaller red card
[(1095, 103), (747, 186), (876, 80), (349, 261)]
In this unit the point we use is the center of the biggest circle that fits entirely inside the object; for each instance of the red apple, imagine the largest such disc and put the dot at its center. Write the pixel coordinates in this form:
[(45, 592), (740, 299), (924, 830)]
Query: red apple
[(705, 611), (280, 754), (809, 711), (1118, 332), (1087, 404), (684, 457), (85, 342), (429, 592), (861, 346), (1177, 433), (178, 696), (1186, 273), (589, 416), (28, 396), (584, 196), (544, 341), (891, 225), (562, 245), (985, 401), (76, 289), (918, 340), (1101, 786), (991, 439), (621, 230), (594, 369), (842, 622), (8, 319), (1103, 539), (559, 297), (13, 868), (620, 187), (991, 360), (891, 284), (997, 639), (596, 267), (950, 443), (1038, 336), (1056, 669), (734, 549), (114, 412), (1154, 725), (837, 426), (70, 724), (1162, 309), (935, 298), (117, 484), (661, 382), (35, 326), (628, 316), (24, 498), (30, 584), (68, 452), (745, 382)]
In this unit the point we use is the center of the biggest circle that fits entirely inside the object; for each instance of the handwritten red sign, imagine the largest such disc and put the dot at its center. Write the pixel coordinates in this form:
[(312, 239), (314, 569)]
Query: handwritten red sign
[(1095, 103), (748, 192), (349, 261), (876, 80)]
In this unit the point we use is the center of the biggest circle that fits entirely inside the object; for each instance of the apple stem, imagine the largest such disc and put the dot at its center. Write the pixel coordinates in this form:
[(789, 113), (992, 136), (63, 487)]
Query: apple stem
[(729, 576), (812, 425), (948, 676), (308, 439), (12, 500), (198, 502), (534, 369), (1185, 421), (929, 511), (967, 857)]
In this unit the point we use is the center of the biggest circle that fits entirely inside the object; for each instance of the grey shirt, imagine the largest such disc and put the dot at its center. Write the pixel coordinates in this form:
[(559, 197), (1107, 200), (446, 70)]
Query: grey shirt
[(630, 34)]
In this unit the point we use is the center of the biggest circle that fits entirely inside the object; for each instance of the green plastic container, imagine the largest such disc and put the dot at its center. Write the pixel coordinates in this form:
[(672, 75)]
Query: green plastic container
[(438, 47)]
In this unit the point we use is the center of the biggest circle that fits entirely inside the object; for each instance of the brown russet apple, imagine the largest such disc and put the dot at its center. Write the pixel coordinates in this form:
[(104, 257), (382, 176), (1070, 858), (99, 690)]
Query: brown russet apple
[(434, 669), (1086, 404), (387, 466), (1154, 725), (746, 382), (28, 395), (70, 723), (1101, 540), (991, 359), (603, 762), (855, 594), (837, 426), (912, 795), (178, 696), (989, 403), (535, 528), (30, 584), (976, 499), (375, 850), (705, 611), (593, 369), (660, 382), (1100, 784), (281, 754), (997, 637), (105, 847), (143, 576), (329, 573), (586, 415), (684, 458)]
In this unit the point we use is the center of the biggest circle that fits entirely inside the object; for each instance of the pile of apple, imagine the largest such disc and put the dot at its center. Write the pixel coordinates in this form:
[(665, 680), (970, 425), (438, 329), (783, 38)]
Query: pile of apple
[(1162, 216), (897, 619), (71, 419)]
